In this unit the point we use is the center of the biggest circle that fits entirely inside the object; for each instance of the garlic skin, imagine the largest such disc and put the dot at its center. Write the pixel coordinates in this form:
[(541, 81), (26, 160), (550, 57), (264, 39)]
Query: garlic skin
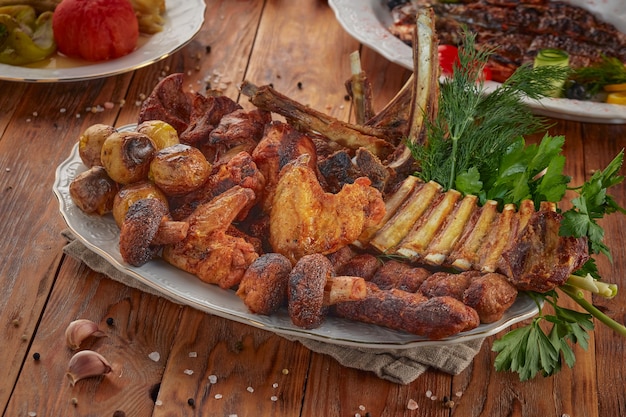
[(79, 330), (86, 364)]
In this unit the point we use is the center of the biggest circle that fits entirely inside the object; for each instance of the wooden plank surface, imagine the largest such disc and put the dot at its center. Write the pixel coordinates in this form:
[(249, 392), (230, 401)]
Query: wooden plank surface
[(257, 372)]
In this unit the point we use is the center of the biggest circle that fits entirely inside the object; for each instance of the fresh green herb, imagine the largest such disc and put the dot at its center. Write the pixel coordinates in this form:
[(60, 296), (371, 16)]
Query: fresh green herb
[(529, 172), (593, 203), (476, 145), (596, 76), (472, 129), (529, 350)]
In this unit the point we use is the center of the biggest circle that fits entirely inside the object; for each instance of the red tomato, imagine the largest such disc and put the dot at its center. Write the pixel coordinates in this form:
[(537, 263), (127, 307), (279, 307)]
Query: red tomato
[(95, 30), (449, 57)]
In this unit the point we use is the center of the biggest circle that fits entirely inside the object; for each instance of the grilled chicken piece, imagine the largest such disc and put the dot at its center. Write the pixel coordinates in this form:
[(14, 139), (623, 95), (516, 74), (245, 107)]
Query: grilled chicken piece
[(206, 114), (240, 170), (209, 251), (280, 144), (168, 102), (305, 219), (239, 131), (434, 318)]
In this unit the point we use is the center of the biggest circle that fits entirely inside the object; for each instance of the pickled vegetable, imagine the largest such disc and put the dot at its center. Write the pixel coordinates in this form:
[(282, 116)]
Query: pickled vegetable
[(25, 37)]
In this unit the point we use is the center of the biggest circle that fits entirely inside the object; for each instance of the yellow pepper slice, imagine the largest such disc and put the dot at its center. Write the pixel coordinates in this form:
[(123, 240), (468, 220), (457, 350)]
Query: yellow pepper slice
[(615, 87), (617, 97)]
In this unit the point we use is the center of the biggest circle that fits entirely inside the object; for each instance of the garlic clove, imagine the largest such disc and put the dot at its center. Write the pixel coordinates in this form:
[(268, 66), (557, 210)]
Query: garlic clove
[(85, 364), (79, 330)]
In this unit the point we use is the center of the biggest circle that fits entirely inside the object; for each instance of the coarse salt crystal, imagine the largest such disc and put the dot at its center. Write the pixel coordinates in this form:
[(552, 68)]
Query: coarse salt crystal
[(362, 407), (233, 415), (250, 389), (429, 393), (218, 396), (459, 394), (32, 413), (412, 405), (193, 354), (274, 398), (158, 402), (155, 356), (63, 110), (275, 385), (188, 371), (212, 379), (434, 397)]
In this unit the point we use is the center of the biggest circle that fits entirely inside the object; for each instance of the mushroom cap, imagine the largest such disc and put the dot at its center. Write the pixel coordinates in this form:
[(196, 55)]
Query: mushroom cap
[(139, 228), (306, 290), (263, 287)]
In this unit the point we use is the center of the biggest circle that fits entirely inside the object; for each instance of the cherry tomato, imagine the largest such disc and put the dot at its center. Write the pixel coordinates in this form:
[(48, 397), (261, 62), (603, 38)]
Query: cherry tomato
[(449, 57)]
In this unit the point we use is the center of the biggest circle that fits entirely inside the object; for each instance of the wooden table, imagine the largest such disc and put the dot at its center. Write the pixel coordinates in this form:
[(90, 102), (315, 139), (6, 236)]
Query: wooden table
[(300, 48)]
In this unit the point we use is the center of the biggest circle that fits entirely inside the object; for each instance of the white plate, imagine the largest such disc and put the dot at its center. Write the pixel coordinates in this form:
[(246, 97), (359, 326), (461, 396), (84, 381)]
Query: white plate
[(183, 19), (101, 235), (367, 21)]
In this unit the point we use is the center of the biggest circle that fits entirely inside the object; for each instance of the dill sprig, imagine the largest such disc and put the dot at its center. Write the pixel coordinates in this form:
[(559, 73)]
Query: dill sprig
[(473, 129), (607, 71)]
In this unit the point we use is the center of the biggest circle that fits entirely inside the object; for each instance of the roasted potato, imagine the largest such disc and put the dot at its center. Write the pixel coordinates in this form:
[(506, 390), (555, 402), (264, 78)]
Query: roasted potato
[(90, 143), (131, 193), (179, 169), (127, 156), (161, 133), (93, 191)]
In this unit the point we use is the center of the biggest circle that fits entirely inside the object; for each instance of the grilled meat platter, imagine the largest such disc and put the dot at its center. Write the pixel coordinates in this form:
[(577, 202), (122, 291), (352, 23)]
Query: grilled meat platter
[(319, 216)]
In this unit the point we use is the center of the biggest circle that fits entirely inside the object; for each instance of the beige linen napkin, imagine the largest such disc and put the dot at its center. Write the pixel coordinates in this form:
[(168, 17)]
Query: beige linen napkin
[(400, 366)]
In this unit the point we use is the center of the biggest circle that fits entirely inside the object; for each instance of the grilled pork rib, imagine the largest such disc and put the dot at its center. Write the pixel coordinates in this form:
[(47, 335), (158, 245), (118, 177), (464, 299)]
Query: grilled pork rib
[(442, 229)]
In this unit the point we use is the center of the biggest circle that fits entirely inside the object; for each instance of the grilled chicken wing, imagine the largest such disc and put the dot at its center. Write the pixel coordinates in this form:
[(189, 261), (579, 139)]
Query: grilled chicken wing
[(210, 251), (305, 219)]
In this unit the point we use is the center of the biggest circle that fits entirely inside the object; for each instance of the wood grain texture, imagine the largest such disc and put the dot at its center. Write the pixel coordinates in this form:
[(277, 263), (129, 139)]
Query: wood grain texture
[(301, 50)]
